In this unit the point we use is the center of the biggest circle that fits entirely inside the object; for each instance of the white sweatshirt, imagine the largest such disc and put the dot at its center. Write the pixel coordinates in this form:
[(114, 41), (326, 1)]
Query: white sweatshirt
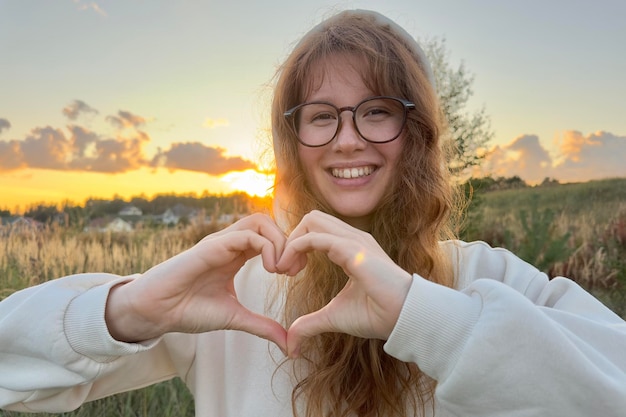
[(506, 342)]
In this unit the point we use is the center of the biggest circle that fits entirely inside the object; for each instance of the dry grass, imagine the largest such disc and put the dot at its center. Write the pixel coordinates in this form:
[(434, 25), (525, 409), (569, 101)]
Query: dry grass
[(29, 257), (576, 232)]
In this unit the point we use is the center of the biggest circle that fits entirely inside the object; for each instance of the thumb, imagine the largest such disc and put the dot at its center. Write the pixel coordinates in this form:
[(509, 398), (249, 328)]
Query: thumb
[(305, 327), (262, 327)]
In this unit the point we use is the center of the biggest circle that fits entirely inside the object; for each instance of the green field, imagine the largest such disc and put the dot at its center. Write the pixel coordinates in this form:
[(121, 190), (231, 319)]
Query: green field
[(575, 230), (572, 230)]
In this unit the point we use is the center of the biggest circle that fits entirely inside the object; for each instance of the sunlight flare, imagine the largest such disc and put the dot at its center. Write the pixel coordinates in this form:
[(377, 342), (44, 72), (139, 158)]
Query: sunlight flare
[(359, 258), (253, 183)]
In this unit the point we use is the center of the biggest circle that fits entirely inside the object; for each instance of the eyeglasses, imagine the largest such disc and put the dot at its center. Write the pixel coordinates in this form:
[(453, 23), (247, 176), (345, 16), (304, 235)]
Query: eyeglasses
[(377, 119)]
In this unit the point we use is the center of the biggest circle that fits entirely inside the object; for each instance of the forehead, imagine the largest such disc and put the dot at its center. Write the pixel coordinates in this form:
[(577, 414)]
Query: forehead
[(345, 70)]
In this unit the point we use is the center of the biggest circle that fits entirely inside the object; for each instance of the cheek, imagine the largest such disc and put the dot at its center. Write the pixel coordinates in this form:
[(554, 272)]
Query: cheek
[(394, 152), (309, 160)]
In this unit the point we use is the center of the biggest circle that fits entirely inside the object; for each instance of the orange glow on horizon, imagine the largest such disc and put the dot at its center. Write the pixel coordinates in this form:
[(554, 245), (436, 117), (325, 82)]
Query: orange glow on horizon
[(251, 182), (20, 190)]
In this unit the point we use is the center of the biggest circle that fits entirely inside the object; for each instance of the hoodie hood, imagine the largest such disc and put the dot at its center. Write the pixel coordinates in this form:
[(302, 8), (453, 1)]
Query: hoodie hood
[(381, 20)]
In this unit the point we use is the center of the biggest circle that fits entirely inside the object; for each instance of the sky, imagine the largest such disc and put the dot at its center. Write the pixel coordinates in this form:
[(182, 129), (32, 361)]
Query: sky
[(124, 98)]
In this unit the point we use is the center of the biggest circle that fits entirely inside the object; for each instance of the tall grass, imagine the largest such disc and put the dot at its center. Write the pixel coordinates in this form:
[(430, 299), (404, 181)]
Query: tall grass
[(29, 257), (572, 230), (576, 230)]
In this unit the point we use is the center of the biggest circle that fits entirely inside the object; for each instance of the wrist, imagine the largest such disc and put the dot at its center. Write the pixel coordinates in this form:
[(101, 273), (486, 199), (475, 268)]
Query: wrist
[(123, 321)]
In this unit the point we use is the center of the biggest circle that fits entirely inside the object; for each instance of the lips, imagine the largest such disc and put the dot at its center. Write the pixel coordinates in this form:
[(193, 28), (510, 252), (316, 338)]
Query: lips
[(352, 172)]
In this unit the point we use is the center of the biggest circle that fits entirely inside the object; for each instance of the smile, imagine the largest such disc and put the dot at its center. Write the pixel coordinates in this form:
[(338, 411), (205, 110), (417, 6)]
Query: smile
[(355, 172)]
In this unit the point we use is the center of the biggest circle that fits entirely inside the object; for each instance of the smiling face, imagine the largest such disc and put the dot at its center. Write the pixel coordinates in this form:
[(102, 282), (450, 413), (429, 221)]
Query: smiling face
[(349, 174)]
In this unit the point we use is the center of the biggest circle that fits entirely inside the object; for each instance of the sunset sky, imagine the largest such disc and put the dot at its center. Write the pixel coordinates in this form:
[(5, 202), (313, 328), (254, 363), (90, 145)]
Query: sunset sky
[(134, 97)]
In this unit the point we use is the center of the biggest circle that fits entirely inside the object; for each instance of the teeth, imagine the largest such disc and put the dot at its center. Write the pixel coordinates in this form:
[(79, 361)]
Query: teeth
[(352, 172)]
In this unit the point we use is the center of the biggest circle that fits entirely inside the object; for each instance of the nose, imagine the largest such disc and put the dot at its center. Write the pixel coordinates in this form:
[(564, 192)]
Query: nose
[(348, 138)]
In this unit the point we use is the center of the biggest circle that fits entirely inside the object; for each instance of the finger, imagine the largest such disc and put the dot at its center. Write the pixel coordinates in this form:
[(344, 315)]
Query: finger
[(323, 223), (222, 250), (264, 226), (341, 251), (292, 264), (252, 244), (305, 327), (297, 265), (317, 221), (262, 327)]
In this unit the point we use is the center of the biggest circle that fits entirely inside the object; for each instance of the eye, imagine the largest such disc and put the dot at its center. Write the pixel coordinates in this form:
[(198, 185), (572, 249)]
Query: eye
[(379, 109), (323, 117), (317, 114), (375, 111)]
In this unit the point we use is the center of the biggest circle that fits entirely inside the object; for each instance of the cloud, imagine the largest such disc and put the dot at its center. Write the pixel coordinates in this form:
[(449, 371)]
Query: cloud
[(524, 157), (10, 156), (126, 119), (4, 125), (213, 123), (46, 148), (107, 155), (77, 148), (82, 150), (577, 158), (194, 156), (76, 107), (91, 5), (595, 156)]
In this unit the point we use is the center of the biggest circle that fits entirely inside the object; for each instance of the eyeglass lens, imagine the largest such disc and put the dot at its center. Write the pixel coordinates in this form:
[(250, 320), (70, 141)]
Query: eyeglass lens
[(376, 120)]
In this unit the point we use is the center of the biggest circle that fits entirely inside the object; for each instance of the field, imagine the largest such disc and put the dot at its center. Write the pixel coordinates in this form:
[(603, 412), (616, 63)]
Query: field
[(575, 230), (572, 230), (28, 258)]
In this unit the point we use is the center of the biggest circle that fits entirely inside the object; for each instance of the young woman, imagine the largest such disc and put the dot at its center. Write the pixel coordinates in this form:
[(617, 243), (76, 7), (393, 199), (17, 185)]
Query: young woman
[(371, 308)]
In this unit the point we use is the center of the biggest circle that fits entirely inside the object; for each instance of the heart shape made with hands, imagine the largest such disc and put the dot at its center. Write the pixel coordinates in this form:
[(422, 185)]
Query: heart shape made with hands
[(194, 291), (369, 304)]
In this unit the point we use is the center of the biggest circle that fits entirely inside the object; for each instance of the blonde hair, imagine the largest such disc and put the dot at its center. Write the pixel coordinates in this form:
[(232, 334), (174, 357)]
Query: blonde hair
[(344, 375)]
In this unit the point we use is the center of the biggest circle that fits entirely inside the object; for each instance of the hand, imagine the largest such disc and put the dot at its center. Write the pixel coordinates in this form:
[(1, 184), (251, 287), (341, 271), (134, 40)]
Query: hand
[(370, 303), (194, 292)]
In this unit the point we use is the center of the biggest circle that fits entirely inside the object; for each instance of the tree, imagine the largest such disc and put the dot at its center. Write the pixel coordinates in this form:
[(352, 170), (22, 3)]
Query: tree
[(43, 213), (470, 132)]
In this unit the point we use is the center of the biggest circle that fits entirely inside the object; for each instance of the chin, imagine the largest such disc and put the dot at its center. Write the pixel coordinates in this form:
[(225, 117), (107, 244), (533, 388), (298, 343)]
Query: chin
[(358, 218)]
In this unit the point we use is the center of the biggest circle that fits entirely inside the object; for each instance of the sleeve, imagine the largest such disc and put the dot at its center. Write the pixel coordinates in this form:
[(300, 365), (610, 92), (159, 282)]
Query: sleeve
[(512, 342), (56, 352)]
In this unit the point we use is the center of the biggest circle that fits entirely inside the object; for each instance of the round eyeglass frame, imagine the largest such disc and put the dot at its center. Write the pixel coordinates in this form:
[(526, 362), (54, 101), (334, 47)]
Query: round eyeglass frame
[(406, 104)]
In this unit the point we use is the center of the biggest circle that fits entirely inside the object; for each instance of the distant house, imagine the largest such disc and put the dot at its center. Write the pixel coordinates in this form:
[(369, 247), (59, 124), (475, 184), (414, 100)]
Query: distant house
[(20, 223), (130, 211), (6, 221), (169, 218), (119, 225), (184, 211), (104, 224), (226, 219), (26, 222)]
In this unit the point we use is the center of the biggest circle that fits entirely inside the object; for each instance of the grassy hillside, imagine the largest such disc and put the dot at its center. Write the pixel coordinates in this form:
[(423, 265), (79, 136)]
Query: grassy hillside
[(573, 230), (600, 198)]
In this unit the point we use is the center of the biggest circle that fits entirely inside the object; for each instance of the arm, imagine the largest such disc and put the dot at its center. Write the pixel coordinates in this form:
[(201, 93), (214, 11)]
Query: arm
[(56, 352), (512, 340), (61, 342)]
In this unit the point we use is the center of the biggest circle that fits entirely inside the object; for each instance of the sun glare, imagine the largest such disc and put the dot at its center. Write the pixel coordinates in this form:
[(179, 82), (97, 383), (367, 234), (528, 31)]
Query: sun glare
[(252, 182)]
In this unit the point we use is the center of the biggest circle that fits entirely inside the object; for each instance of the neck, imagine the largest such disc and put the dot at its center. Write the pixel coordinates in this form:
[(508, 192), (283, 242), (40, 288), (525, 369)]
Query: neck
[(362, 223)]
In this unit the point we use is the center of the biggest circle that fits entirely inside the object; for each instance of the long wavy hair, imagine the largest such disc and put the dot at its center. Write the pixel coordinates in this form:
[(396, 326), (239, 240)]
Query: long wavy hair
[(341, 375)]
